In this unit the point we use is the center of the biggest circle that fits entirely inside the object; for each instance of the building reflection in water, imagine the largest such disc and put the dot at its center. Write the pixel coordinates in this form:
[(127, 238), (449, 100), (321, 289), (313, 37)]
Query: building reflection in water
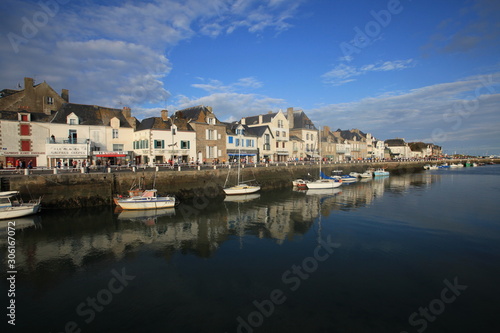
[(54, 242)]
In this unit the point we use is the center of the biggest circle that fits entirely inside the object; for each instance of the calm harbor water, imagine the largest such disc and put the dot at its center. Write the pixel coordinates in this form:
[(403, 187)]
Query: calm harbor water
[(410, 253)]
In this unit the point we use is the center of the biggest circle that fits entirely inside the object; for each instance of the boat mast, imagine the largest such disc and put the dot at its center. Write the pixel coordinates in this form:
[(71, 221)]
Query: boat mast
[(239, 155), (319, 151)]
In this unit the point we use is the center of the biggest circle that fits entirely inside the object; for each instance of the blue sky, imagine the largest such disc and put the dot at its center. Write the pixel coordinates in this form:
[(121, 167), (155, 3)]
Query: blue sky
[(421, 70)]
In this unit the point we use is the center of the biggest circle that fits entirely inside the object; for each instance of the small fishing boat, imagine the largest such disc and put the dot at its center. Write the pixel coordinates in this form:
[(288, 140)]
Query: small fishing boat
[(347, 179), (300, 182), (380, 172), (12, 206), (367, 174), (148, 200)]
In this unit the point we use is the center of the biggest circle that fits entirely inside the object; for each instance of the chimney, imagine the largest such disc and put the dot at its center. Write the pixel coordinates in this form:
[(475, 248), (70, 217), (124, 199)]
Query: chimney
[(289, 112), (260, 119), (65, 95), (164, 115), (127, 112), (28, 86), (269, 112), (243, 121), (209, 108), (326, 129)]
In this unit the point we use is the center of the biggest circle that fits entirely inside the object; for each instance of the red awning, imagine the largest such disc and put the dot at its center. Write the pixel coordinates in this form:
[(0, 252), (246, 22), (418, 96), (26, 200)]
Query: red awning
[(111, 155)]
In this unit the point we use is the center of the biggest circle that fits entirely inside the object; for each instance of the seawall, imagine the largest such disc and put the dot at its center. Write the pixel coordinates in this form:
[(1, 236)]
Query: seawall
[(75, 190)]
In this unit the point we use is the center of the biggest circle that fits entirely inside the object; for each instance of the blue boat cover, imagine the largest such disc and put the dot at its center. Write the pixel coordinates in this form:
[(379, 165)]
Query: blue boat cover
[(323, 176)]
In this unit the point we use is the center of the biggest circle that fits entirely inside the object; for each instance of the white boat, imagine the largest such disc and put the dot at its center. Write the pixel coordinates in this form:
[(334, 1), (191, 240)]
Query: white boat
[(148, 200), (240, 187), (323, 182), (11, 205), (300, 182), (355, 174), (367, 174), (346, 179), (381, 172)]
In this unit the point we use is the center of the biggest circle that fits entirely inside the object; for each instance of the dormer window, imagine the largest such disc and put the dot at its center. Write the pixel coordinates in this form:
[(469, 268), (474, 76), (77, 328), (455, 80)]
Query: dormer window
[(24, 117), (210, 121), (72, 119), (50, 100)]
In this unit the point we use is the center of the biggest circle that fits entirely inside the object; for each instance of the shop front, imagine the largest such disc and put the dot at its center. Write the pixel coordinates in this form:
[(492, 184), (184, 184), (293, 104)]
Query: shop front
[(112, 158), (13, 159), (67, 155)]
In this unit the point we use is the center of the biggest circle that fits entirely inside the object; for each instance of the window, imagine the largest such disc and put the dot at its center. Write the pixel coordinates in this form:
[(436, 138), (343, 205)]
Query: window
[(25, 129), (307, 136), (277, 144), (230, 139), (211, 121), (249, 143), (25, 145), (115, 133), (50, 100), (185, 145), (277, 133), (237, 142), (72, 121), (267, 138), (307, 147), (24, 117), (210, 152), (117, 147), (312, 137), (210, 134), (159, 144), (284, 133)]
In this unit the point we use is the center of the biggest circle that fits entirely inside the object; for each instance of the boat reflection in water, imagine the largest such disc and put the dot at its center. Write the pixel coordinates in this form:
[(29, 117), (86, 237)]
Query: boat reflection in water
[(242, 197), (144, 215)]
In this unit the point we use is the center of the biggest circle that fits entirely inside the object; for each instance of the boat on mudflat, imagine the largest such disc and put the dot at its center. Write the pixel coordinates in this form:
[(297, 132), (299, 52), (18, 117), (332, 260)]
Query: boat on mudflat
[(148, 200), (12, 206)]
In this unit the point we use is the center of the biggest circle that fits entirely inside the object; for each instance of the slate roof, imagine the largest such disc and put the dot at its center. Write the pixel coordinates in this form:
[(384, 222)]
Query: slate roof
[(231, 129), (266, 118), (395, 142), (157, 123), (302, 121), (295, 138), (196, 114), (35, 116), (90, 114), (350, 135), (260, 130)]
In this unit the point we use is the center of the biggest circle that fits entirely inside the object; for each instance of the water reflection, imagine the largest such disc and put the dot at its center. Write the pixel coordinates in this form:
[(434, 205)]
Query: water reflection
[(80, 237)]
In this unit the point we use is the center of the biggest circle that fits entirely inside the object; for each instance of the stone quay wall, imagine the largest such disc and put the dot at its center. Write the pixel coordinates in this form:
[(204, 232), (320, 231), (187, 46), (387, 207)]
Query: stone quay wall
[(74, 190)]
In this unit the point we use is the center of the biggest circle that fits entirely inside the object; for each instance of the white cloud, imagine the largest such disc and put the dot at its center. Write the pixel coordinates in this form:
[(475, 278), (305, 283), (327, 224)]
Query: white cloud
[(343, 73), (464, 111), (211, 85), (113, 54), (230, 106)]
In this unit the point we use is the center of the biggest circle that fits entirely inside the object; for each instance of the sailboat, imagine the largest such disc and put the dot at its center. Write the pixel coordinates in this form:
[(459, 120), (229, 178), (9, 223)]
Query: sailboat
[(323, 181), (240, 187)]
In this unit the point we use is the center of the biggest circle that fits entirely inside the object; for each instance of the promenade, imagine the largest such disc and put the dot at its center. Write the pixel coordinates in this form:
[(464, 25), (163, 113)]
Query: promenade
[(67, 188)]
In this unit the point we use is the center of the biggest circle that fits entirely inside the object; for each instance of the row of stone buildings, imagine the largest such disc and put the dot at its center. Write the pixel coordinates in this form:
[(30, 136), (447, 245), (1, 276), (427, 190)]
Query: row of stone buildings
[(39, 125)]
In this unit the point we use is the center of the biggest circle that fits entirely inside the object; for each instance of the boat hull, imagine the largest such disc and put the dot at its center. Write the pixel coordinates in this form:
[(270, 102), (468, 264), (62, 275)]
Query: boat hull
[(18, 211), (241, 189), (146, 203), (323, 183)]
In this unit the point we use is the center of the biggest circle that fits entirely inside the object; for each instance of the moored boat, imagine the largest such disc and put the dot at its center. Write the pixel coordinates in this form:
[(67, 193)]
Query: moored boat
[(380, 172), (12, 206), (148, 200), (300, 182)]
